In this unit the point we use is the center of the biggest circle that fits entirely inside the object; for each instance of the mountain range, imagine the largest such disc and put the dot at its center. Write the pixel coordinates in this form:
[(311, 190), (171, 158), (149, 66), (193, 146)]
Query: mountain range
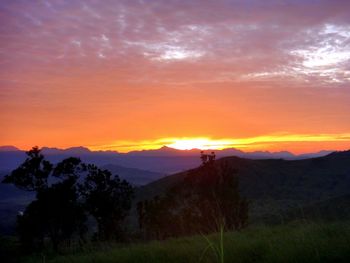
[(274, 186), (164, 160)]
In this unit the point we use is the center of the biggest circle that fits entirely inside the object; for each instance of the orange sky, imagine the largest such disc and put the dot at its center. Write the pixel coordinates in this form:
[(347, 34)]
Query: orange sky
[(106, 75)]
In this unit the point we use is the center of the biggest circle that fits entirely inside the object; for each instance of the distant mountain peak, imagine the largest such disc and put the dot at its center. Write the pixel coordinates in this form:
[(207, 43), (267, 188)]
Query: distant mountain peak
[(8, 148), (71, 150), (78, 149), (167, 148)]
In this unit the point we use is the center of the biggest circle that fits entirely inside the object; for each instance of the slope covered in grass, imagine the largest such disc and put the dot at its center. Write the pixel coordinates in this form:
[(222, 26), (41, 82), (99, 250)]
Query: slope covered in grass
[(295, 242)]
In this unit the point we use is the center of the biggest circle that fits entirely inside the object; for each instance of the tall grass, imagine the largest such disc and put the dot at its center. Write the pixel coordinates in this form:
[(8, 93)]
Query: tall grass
[(218, 250), (290, 243)]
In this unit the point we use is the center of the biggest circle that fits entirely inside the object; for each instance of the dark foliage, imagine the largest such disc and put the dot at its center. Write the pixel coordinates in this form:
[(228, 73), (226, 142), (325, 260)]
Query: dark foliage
[(33, 174), (56, 214), (108, 200), (65, 195), (206, 199)]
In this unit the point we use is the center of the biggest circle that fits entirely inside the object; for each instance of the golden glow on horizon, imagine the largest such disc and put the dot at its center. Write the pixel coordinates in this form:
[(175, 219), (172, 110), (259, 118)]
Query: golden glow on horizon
[(204, 143), (200, 143)]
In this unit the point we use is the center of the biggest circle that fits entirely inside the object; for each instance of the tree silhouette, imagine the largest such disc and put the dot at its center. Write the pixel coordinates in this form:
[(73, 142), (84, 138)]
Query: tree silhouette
[(32, 174), (64, 198), (108, 200), (207, 199), (56, 213)]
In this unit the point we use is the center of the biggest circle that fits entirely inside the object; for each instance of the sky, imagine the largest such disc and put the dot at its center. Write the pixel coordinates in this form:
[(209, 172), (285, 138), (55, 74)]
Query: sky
[(126, 75)]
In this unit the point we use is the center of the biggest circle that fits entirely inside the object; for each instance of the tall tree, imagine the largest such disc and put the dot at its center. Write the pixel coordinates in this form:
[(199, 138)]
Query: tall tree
[(57, 212), (108, 200), (32, 174)]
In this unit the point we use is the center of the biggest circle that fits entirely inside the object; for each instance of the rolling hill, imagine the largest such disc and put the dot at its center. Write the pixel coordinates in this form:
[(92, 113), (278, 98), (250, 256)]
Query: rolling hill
[(276, 186), (136, 177)]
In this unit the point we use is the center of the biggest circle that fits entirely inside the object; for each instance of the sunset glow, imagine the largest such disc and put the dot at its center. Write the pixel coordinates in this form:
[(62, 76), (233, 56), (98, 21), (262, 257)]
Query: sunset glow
[(274, 142), (133, 75), (200, 143)]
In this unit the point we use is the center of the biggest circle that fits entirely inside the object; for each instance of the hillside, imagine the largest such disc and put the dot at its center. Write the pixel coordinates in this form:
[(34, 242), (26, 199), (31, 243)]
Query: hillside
[(333, 209), (136, 177), (275, 186)]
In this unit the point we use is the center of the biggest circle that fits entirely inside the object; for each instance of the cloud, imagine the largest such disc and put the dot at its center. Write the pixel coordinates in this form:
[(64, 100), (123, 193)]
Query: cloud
[(122, 61), (251, 40)]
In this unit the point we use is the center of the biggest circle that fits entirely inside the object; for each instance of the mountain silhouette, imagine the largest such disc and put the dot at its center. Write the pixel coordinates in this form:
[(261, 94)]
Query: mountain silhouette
[(8, 148), (165, 160), (275, 185)]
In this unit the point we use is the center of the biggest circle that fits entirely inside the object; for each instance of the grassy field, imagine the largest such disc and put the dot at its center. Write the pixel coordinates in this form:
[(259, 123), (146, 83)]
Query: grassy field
[(294, 242)]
